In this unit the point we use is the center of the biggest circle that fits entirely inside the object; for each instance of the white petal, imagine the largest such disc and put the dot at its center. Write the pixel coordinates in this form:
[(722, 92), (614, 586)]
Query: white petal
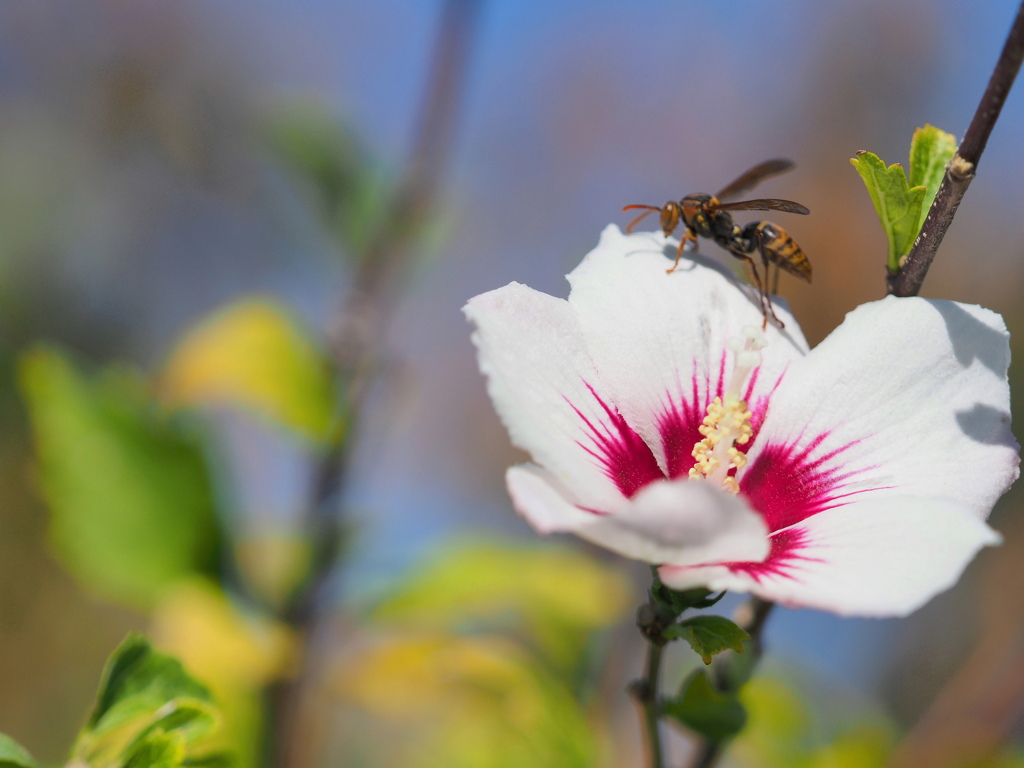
[(885, 557), (908, 397), (546, 390), (677, 522), (659, 340)]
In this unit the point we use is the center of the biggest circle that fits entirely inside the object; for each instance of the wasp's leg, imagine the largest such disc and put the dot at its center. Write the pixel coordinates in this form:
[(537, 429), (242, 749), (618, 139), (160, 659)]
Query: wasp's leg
[(768, 296), (687, 236), (762, 295)]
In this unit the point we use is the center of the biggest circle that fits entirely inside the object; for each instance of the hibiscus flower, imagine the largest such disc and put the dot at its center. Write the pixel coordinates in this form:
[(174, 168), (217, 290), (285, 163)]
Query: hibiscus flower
[(664, 424)]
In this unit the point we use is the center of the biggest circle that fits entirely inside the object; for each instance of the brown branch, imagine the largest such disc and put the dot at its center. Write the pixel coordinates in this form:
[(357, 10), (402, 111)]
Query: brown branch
[(356, 336), (961, 169)]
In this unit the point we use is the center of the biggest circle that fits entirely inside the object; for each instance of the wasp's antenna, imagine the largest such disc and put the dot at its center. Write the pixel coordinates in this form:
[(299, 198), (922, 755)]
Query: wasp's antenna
[(649, 209)]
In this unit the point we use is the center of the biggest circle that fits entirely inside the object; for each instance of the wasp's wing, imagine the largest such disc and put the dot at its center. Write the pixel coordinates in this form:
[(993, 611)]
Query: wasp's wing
[(755, 176), (768, 204)]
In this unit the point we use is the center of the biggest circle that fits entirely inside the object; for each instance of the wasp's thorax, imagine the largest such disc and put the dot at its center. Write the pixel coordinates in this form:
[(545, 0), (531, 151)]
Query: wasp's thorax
[(698, 215)]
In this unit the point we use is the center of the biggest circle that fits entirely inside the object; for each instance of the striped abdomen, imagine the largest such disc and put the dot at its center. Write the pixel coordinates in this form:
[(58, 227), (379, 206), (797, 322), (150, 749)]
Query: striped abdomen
[(781, 249)]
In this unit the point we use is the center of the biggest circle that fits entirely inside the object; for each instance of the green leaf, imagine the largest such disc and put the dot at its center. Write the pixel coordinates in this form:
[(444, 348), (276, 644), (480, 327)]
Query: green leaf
[(159, 750), (708, 635), (130, 497), (144, 697), (193, 719), (902, 206), (931, 149), (13, 755), (898, 205), (716, 716), (137, 671), (254, 353)]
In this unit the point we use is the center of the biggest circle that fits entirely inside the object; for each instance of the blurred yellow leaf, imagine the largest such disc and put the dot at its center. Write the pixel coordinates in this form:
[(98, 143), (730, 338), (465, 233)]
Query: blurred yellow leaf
[(560, 595), (484, 702), (255, 354), (861, 748), (235, 654), (196, 622)]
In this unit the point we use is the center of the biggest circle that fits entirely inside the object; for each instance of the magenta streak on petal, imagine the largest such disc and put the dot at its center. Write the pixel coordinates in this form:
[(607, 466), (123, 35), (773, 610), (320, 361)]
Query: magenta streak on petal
[(783, 559), (679, 427), (720, 387), (786, 485), (759, 409), (679, 424), (623, 455)]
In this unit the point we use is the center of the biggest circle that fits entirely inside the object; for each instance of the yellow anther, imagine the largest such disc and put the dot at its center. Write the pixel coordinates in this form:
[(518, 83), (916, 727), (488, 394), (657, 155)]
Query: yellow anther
[(726, 425)]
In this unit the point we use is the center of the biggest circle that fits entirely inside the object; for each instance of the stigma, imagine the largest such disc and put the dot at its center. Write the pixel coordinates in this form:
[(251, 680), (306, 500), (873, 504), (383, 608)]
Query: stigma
[(727, 423)]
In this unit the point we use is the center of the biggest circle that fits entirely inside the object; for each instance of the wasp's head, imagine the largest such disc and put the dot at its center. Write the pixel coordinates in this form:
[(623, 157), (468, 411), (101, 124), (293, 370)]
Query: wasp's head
[(670, 216)]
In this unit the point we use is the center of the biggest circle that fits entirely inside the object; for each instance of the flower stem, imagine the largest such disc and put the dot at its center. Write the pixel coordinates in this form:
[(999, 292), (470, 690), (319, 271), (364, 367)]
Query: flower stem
[(961, 169), (649, 702), (651, 620)]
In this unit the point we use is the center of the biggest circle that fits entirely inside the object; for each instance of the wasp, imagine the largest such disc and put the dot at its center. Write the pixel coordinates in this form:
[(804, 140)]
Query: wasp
[(707, 216)]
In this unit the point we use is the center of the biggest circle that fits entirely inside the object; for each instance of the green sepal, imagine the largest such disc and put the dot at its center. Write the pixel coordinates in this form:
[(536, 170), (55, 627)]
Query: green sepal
[(714, 715), (13, 755), (708, 635), (676, 601)]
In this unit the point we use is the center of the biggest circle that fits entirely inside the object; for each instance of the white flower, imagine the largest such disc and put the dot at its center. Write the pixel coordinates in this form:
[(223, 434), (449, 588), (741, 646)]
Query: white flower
[(854, 478)]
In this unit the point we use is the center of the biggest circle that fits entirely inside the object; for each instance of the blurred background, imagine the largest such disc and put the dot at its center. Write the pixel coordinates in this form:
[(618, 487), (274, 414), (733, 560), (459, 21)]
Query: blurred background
[(188, 193)]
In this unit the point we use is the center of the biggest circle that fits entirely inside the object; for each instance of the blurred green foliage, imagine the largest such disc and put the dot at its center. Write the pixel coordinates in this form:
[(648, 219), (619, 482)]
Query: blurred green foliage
[(130, 497), (478, 702), (346, 189), (700, 707), (787, 730), (559, 597), (479, 651), (13, 755)]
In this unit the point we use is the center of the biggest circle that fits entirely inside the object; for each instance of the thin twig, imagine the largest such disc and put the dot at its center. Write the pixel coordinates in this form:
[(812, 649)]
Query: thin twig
[(961, 169), (752, 616), (651, 620), (646, 692), (356, 336)]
